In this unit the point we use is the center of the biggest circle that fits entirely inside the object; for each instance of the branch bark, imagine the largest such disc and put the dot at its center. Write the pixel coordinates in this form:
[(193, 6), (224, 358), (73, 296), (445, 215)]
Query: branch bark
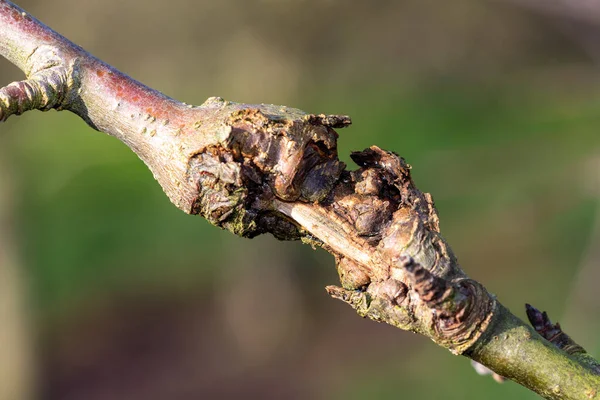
[(256, 169)]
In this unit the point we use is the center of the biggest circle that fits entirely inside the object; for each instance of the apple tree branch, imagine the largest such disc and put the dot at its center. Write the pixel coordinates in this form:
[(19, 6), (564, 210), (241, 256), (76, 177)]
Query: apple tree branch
[(254, 169)]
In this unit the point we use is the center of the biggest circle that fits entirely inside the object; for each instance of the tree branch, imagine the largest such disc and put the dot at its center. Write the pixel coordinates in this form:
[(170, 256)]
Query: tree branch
[(255, 169)]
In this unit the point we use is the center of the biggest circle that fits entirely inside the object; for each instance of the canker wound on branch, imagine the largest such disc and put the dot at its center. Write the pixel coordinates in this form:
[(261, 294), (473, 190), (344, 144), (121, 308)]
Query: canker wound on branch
[(394, 267), (255, 169)]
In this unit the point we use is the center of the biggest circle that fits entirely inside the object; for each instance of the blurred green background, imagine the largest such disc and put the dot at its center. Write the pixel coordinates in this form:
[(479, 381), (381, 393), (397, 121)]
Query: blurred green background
[(107, 291)]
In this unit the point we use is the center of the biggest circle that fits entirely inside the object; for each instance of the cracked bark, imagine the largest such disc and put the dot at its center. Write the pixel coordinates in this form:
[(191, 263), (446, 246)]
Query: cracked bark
[(254, 169)]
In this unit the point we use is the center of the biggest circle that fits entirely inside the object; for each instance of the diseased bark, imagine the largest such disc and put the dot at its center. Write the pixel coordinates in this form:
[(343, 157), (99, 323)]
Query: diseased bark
[(256, 169)]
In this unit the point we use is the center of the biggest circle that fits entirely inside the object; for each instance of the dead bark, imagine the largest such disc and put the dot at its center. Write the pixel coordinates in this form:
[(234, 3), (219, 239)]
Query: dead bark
[(256, 169)]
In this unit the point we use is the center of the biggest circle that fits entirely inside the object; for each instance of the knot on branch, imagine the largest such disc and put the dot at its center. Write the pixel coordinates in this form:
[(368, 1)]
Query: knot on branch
[(453, 314), (269, 152), (393, 264), (384, 301), (297, 158), (458, 311), (386, 208), (219, 181), (435, 292)]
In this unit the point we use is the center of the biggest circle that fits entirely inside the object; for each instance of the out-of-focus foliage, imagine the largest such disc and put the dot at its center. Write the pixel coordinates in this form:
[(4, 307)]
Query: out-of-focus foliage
[(495, 106)]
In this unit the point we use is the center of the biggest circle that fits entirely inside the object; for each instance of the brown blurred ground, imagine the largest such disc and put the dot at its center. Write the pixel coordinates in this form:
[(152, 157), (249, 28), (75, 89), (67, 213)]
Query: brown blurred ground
[(494, 104)]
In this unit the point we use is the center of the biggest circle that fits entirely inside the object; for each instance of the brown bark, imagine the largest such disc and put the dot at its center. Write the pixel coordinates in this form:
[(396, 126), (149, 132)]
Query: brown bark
[(256, 169)]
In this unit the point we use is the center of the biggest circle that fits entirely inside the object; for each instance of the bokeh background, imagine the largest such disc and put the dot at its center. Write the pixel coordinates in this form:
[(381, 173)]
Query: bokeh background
[(108, 292)]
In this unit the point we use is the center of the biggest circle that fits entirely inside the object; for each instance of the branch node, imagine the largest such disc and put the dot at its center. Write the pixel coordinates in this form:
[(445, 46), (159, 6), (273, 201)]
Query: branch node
[(44, 90), (381, 302), (355, 298), (435, 292), (555, 335), (459, 311)]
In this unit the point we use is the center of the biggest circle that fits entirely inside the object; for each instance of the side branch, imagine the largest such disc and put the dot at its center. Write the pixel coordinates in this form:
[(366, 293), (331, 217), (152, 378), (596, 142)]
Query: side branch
[(43, 91)]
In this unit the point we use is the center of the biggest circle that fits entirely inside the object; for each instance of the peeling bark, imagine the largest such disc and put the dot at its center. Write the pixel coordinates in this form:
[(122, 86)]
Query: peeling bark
[(254, 169)]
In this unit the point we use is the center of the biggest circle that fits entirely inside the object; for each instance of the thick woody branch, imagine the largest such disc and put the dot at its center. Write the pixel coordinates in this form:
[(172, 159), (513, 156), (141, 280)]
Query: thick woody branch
[(256, 169)]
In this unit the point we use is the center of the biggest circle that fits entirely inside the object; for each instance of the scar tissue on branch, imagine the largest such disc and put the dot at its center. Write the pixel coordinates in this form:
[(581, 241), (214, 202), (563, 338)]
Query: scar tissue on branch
[(256, 169)]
